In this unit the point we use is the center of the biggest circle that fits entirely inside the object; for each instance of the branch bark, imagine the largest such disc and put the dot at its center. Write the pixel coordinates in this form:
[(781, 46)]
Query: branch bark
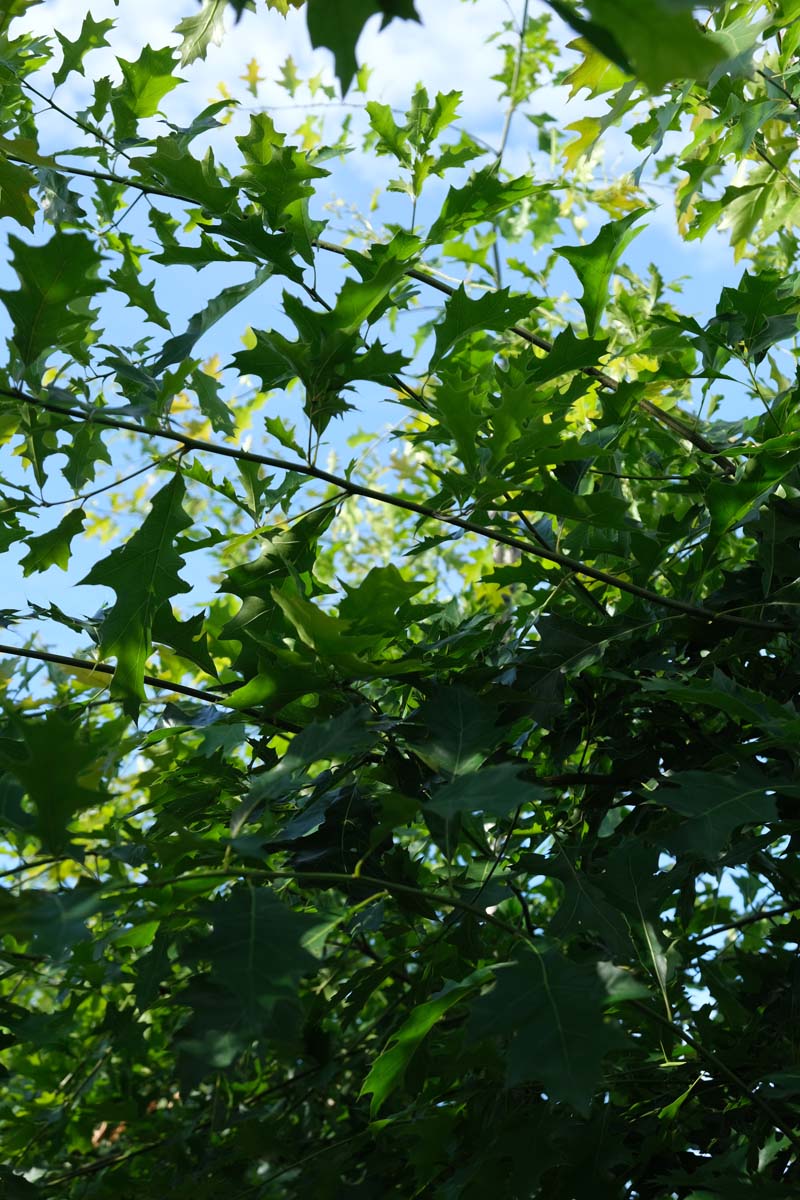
[(678, 426), (98, 416)]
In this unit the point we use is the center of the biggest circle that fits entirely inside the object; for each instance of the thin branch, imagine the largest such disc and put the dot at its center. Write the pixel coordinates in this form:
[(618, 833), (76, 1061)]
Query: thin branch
[(776, 83), (766, 914), (21, 868), (722, 1069), (677, 426), (579, 587), (81, 496), (90, 129), (435, 899), (501, 149), (182, 689), (423, 510), (514, 102), (776, 167), (112, 1160)]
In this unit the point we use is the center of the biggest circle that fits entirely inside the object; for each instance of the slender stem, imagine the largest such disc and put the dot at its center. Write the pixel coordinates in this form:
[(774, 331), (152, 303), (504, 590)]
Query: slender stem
[(776, 83), (182, 689), (81, 496), (513, 102), (580, 587), (423, 510), (723, 1069), (776, 167), (501, 149), (333, 878), (90, 129), (677, 426), (750, 919)]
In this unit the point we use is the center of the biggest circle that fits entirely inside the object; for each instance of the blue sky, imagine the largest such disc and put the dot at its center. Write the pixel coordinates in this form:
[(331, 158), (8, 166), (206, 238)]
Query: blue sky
[(450, 53)]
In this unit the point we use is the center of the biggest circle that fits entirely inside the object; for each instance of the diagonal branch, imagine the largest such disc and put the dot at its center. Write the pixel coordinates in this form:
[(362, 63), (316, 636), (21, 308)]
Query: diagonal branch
[(714, 1061), (182, 689), (98, 416), (680, 428)]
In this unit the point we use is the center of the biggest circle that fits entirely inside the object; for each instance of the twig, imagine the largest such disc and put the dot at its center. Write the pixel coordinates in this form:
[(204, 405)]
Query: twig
[(80, 497), (423, 510), (722, 1069), (182, 689), (751, 918), (435, 899), (514, 102), (579, 587), (677, 426)]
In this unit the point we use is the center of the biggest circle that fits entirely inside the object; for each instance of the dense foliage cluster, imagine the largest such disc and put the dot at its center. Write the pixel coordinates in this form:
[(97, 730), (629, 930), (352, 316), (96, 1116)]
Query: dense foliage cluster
[(424, 827)]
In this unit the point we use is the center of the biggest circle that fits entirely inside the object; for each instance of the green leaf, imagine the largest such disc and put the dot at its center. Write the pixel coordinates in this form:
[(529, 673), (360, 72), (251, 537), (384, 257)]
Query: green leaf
[(325, 358), (188, 639), (569, 354), (392, 138), (173, 167), (337, 25), (14, 8), (659, 39), (146, 81), (54, 547), (495, 311), (351, 732), (553, 1009), (380, 601), (200, 30), (715, 806), (481, 199), (91, 37), (387, 1072), (256, 948), (127, 279), (595, 264), (57, 764), (362, 300), (460, 730), (281, 6), (496, 791), (210, 402), (279, 177), (178, 348), (144, 574), (757, 314), (454, 404), (16, 201), (49, 310)]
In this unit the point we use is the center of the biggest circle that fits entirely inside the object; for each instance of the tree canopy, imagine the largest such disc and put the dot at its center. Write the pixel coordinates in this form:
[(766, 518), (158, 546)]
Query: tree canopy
[(411, 810)]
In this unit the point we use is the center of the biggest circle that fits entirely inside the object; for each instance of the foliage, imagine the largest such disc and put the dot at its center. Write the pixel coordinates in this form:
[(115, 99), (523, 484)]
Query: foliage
[(449, 847)]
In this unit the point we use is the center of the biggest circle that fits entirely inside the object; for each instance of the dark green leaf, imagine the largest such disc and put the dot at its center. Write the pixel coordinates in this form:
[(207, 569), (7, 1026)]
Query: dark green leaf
[(553, 1008), (337, 25), (49, 309), (54, 547), (481, 199), (493, 311), (92, 35), (144, 574), (496, 791), (58, 767), (715, 806)]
